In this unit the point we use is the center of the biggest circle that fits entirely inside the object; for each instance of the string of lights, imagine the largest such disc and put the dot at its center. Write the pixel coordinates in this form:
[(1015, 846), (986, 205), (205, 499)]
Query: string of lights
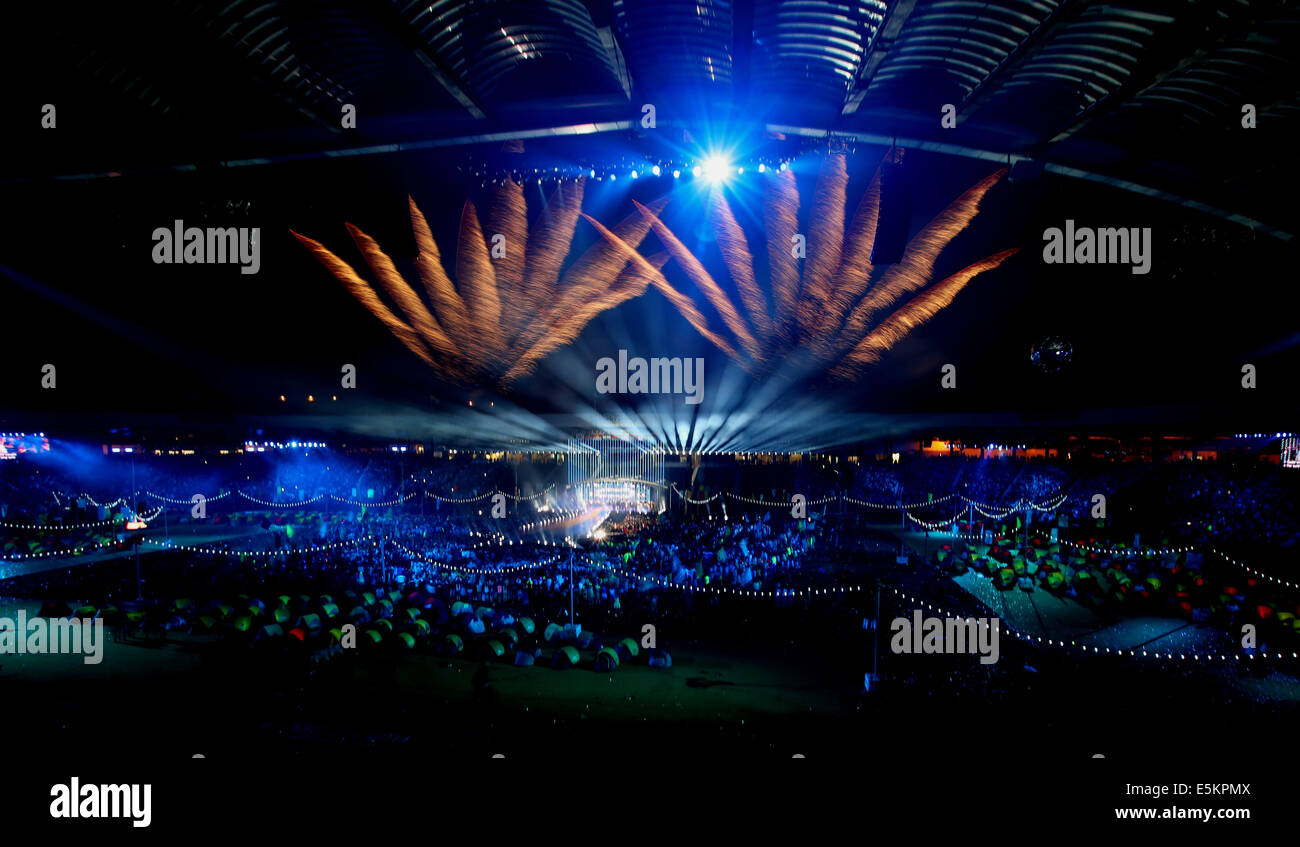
[(542, 493), (855, 501), (52, 554), (711, 168), (687, 498), (392, 502), (273, 504), (214, 551), (1251, 570), (1122, 551), (1085, 648), (935, 525), (60, 527), (184, 502)]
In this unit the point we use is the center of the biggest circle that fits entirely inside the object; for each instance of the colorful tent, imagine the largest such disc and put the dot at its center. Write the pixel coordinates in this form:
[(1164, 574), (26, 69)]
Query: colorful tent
[(565, 657), (607, 660), (628, 649)]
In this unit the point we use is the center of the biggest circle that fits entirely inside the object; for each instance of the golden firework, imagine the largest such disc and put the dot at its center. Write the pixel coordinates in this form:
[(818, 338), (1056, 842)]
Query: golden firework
[(833, 311), (509, 306)]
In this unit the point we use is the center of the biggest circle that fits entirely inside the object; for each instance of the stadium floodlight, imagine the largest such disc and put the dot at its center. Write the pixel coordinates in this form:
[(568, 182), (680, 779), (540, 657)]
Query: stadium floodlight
[(717, 169)]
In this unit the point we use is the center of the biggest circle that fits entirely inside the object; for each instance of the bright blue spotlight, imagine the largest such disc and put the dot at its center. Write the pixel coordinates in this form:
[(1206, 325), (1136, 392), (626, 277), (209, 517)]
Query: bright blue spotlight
[(762, 167), (717, 169), (655, 170), (677, 174), (634, 174)]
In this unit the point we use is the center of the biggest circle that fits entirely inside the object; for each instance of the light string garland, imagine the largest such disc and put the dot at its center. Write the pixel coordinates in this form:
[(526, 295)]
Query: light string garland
[(1084, 648)]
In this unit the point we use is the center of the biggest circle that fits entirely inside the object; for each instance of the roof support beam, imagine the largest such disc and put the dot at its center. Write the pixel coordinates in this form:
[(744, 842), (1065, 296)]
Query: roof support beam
[(448, 84), (878, 50), (1029, 46), (1052, 167), (1135, 88)]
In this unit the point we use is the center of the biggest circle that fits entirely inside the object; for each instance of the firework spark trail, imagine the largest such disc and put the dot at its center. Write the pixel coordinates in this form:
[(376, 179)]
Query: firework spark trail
[(604, 259), (914, 269), (568, 324), (735, 252), (478, 285), (854, 274), (508, 217), (548, 245), (501, 316), (401, 293), (781, 212), (712, 291), (915, 312), (589, 277), (361, 290), (681, 301), (825, 315), (825, 244), (442, 293)]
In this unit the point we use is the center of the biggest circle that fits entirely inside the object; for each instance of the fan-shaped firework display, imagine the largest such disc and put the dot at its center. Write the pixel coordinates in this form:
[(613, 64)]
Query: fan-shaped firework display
[(509, 306), (830, 309)]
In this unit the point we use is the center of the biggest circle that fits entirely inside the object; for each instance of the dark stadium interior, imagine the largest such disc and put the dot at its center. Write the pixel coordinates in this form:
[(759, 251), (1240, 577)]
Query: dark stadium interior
[(386, 486)]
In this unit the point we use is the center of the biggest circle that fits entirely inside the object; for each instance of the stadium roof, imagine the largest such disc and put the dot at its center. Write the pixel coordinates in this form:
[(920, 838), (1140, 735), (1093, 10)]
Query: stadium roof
[(1148, 96)]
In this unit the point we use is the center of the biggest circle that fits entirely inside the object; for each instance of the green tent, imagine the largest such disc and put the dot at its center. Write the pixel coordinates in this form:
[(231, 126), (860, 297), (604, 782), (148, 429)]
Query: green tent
[(454, 643), (631, 646), (607, 659), (565, 657), (496, 648), (552, 630), (407, 640), (528, 625)]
